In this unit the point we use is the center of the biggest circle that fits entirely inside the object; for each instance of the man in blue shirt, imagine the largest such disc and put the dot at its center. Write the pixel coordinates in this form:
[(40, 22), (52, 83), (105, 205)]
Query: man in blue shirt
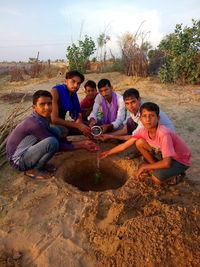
[(65, 100), (33, 142)]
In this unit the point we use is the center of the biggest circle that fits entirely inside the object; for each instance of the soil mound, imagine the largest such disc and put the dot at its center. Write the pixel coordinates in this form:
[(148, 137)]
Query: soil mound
[(138, 224)]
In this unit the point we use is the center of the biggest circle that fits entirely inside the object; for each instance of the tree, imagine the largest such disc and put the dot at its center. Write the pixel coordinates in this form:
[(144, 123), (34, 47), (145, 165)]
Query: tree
[(78, 56), (102, 41), (181, 50)]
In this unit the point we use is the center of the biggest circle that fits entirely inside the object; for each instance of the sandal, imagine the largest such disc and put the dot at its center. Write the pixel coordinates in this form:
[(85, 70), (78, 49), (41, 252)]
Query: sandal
[(49, 167), (176, 179), (39, 175)]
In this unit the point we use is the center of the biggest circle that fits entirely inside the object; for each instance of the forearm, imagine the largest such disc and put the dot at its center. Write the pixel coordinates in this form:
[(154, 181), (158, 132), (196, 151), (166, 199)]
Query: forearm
[(162, 164), (115, 150), (122, 138), (120, 113), (68, 146), (122, 131), (121, 147), (94, 111), (79, 119)]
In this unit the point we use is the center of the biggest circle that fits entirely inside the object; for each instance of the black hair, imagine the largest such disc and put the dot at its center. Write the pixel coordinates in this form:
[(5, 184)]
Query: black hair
[(40, 93), (150, 107), (131, 92), (73, 73), (103, 82), (91, 84)]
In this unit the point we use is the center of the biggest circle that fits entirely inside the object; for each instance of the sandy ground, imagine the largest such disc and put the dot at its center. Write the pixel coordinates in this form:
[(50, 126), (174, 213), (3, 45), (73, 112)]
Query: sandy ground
[(71, 221)]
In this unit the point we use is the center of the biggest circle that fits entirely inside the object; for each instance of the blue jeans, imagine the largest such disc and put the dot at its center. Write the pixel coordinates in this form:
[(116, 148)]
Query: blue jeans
[(55, 130), (39, 154)]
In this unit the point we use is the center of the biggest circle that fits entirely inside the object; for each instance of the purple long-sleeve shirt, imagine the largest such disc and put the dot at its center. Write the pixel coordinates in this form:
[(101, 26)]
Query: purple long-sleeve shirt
[(37, 128)]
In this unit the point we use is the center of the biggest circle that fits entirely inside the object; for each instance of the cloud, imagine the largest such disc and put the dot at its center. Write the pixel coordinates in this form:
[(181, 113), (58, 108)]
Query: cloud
[(114, 20)]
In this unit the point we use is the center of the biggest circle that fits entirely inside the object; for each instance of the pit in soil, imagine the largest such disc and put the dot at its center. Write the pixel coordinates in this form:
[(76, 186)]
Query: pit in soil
[(82, 174)]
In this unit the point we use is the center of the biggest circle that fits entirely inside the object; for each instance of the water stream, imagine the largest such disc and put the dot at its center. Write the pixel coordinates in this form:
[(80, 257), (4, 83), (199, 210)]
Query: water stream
[(96, 131), (97, 173)]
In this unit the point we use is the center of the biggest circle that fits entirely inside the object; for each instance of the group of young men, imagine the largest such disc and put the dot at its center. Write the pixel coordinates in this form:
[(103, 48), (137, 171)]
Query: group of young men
[(141, 125)]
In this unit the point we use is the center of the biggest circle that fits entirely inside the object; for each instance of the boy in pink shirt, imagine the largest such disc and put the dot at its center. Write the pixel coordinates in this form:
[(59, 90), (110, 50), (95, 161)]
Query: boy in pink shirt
[(166, 153), (88, 102)]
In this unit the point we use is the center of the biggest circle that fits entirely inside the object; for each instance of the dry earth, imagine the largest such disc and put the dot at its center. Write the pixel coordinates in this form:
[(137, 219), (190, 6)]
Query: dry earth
[(71, 221)]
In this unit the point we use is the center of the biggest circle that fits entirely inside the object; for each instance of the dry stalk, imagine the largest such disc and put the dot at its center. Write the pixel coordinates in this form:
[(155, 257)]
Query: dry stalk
[(134, 53), (16, 116)]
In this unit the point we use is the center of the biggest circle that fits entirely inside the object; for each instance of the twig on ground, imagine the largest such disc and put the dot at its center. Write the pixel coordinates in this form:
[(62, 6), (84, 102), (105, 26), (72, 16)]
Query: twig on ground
[(8, 125)]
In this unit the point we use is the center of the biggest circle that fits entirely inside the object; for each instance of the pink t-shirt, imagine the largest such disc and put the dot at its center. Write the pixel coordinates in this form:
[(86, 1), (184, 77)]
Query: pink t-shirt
[(169, 144)]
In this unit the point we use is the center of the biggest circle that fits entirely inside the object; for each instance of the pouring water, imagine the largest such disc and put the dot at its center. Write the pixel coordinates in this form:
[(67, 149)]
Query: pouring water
[(96, 131)]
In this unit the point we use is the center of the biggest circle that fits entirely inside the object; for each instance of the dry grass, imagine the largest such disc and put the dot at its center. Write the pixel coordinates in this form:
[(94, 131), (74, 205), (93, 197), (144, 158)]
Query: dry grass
[(17, 114), (15, 97)]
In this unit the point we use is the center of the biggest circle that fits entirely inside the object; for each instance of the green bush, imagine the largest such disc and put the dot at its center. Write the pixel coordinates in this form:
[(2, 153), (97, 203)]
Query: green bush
[(78, 56), (180, 51)]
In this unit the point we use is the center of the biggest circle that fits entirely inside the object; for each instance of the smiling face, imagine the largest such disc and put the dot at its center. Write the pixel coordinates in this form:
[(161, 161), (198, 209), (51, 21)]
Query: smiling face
[(43, 106), (149, 119), (73, 84), (132, 104)]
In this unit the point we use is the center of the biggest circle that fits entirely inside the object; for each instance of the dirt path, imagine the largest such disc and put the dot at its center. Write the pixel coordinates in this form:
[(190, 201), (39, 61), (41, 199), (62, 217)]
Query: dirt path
[(138, 224)]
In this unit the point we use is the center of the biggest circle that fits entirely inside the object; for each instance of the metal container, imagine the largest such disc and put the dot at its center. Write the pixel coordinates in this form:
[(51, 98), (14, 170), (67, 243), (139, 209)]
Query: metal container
[(96, 130)]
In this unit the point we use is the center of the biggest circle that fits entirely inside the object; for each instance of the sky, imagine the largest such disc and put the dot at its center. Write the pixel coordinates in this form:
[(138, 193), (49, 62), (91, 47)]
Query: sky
[(27, 27)]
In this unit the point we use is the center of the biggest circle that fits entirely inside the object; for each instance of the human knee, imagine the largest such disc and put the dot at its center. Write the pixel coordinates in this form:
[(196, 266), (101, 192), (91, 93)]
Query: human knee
[(55, 130), (52, 144), (140, 143)]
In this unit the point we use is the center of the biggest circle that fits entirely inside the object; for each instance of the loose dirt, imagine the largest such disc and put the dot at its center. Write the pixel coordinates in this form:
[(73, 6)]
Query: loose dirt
[(70, 222)]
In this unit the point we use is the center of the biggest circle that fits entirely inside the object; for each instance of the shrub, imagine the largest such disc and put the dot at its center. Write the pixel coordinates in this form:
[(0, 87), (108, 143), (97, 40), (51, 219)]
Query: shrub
[(180, 52), (16, 74), (78, 56)]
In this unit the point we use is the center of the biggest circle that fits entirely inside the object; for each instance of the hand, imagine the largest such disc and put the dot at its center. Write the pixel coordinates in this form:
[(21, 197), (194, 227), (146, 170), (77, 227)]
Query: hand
[(103, 137), (107, 128), (90, 146), (84, 129), (140, 170), (103, 155), (92, 122)]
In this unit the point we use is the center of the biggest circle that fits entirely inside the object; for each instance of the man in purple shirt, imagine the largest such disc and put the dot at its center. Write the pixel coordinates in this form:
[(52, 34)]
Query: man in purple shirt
[(33, 142)]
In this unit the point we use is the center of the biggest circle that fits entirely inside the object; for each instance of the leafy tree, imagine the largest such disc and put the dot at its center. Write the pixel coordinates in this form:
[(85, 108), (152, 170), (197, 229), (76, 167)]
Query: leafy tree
[(78, 56), (181, 50)]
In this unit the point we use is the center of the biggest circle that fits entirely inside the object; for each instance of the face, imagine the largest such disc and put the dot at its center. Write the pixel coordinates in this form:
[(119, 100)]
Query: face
[(90, 92), (149, 119), (73, 84), (106, 92), (43, 106), (132, 104)]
